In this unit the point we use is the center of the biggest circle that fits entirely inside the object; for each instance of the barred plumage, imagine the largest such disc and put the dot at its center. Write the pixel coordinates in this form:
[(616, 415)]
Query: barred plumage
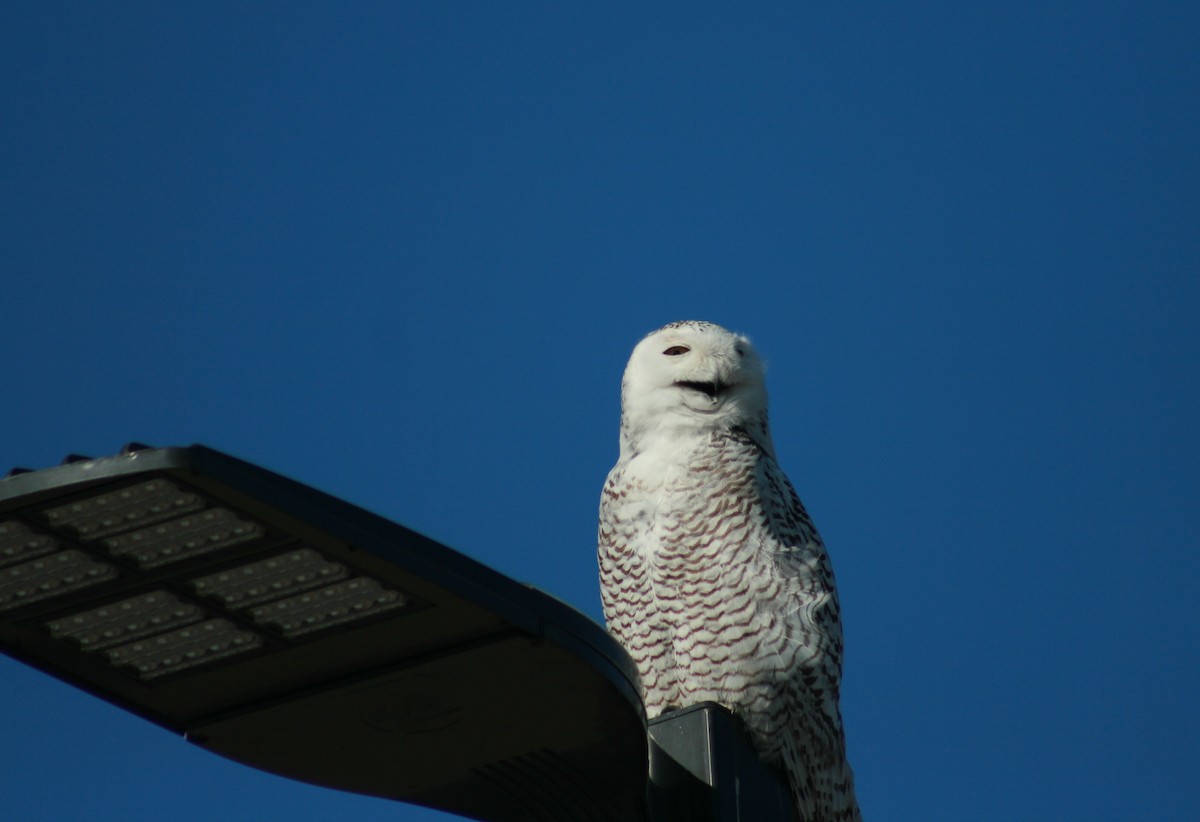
[(712, 574)]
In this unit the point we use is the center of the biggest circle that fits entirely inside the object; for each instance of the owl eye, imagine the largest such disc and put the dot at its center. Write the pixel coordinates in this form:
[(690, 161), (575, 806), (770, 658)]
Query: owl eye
[(676, 350)]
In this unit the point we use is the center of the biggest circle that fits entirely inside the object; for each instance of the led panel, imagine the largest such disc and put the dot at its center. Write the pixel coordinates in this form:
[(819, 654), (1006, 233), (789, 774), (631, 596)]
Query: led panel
[(327, 607), (130, 507), (269, 579), (19, 542), (196, 533), (129, 619), (185, 648), (51, 576)]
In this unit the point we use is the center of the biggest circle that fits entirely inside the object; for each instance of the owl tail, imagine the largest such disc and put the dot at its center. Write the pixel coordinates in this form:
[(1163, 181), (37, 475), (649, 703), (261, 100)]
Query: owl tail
[(821, 781)]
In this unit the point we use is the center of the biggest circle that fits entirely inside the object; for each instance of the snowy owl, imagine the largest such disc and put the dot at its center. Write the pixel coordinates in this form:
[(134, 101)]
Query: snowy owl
[(712, 575)]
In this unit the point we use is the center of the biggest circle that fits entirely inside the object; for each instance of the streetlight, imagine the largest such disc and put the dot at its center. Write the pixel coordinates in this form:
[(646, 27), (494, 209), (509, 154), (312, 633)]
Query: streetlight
[(288, 630)]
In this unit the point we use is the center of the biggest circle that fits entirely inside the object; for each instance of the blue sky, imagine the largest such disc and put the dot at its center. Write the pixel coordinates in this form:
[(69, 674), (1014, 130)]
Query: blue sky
[(400, 252)]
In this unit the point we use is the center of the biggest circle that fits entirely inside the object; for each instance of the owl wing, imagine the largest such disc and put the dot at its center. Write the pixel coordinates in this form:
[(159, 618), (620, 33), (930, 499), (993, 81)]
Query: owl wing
[(631, 609), (814, 747), (798, 555)]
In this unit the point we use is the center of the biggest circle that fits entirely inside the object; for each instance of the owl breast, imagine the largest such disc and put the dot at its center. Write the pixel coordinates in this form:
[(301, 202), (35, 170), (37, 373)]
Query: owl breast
[(690, 532)]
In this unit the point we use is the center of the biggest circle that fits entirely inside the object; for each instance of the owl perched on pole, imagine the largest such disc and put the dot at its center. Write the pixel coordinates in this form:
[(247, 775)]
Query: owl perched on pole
[(712, 575)]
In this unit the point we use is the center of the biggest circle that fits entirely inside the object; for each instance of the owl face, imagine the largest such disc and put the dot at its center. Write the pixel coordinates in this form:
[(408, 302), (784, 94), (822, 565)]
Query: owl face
[(693, 375)]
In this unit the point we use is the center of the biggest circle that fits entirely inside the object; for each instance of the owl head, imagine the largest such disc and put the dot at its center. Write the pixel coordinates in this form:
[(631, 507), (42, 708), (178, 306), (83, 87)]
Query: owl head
[(692, 378)]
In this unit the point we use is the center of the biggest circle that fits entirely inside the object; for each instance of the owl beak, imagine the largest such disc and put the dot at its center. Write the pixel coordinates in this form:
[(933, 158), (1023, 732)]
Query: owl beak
[(711, 389)]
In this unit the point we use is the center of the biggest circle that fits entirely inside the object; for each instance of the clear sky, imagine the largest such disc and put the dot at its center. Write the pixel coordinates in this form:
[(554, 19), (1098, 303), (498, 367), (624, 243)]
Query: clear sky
[(400, 252)]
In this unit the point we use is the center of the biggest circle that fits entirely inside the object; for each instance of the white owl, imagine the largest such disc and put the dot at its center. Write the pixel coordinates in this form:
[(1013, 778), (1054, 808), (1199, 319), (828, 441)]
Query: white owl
[(712, 575)]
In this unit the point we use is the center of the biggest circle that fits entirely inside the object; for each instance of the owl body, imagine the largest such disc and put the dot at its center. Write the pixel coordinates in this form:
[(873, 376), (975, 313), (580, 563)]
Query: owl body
[(712, 575)]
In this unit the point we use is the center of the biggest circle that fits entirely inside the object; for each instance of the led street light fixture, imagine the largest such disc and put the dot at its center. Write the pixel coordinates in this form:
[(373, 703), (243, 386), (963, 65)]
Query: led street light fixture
[(291, 631)]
